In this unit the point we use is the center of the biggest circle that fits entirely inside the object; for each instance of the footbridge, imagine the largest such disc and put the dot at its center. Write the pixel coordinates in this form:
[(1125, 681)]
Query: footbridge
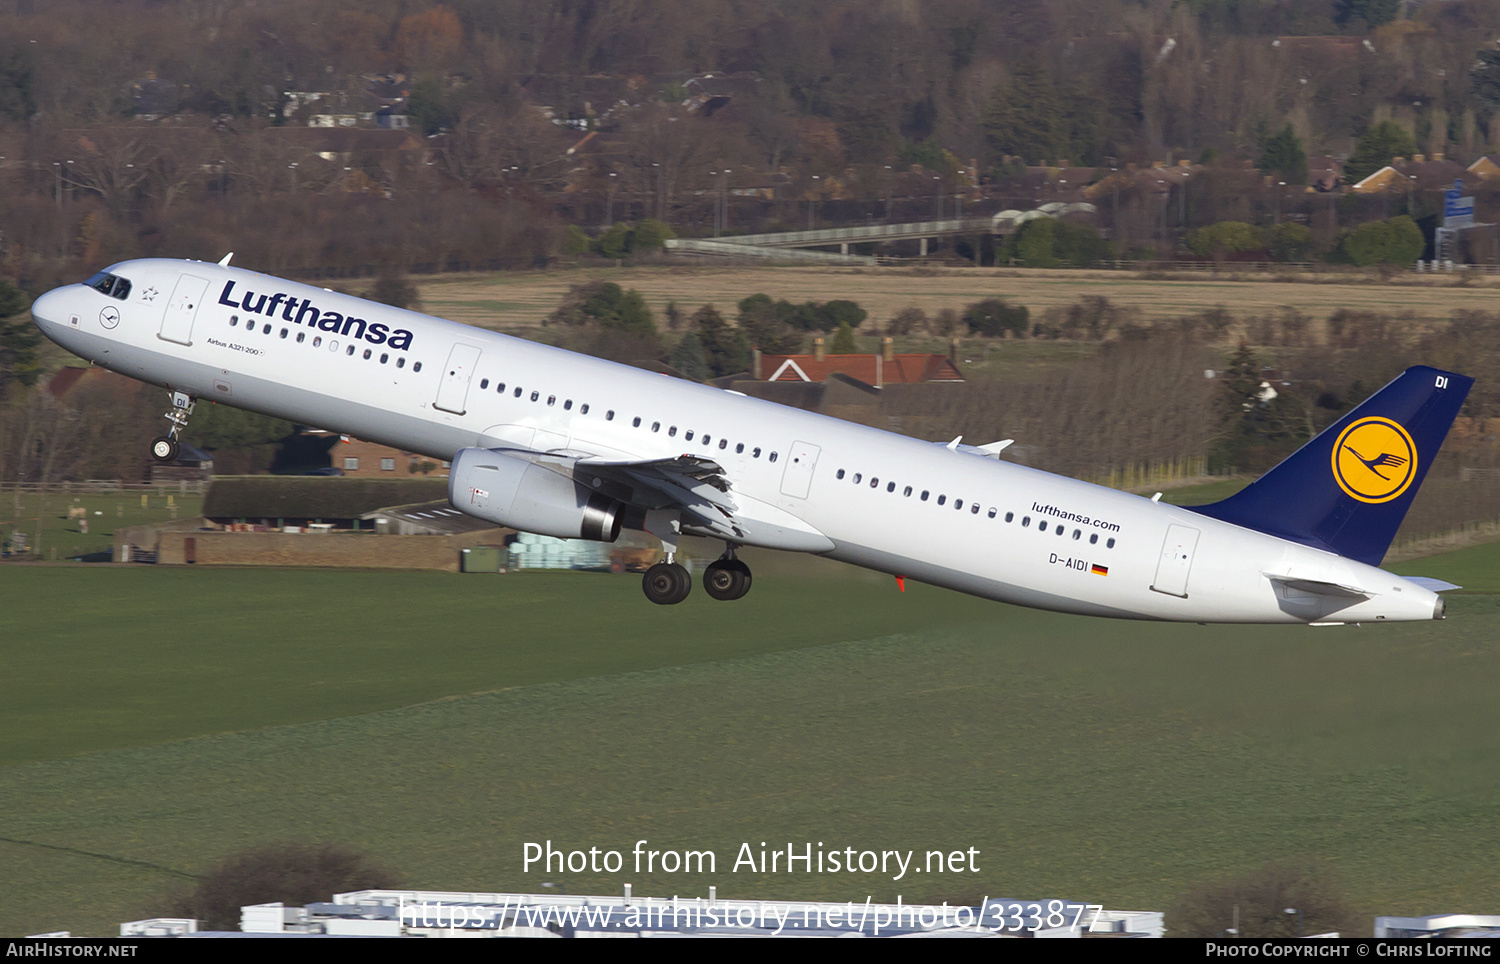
[(792, 245)]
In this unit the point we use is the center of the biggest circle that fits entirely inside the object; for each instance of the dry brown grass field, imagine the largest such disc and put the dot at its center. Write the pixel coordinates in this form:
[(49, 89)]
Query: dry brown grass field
[(518, 300)]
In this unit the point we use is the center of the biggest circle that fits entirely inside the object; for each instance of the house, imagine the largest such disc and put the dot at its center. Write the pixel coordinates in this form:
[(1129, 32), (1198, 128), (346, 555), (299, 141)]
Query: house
[(886, 368)]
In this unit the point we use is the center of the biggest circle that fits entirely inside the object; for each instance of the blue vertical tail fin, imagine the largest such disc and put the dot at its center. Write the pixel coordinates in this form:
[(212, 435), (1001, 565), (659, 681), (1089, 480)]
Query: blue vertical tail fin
[(1349, 488)]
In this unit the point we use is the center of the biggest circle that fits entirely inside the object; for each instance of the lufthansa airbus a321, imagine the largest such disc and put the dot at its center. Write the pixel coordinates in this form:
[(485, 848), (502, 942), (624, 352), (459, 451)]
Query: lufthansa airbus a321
[(557, 443)]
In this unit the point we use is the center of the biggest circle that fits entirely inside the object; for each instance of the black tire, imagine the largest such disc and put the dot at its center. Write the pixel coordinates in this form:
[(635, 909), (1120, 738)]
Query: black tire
[(666, 584), (726, 579), (164, 448), (744, 570)]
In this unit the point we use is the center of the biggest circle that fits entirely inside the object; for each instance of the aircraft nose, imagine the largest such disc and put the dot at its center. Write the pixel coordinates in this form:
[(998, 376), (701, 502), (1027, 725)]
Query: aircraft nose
[(48, 311)]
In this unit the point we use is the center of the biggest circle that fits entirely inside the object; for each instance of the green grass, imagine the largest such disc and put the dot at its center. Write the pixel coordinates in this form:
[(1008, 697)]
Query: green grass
[(1476, 569), (63, 538), (440, 722)]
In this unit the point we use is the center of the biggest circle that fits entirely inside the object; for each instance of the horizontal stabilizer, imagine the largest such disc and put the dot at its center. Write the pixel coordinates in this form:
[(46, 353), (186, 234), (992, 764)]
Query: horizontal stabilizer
[(1322, 588), (1431, 584)]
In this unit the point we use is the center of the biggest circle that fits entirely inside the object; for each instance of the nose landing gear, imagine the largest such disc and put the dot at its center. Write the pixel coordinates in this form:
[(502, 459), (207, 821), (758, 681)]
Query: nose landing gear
[(164, 448)]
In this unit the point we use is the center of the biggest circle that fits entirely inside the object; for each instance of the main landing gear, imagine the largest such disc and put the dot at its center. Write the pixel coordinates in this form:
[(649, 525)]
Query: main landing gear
[(668, 583), (164, 448)]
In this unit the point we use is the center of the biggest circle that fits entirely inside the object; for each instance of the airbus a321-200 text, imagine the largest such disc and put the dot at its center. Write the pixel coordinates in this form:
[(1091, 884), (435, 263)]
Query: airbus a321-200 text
[(561, 444)]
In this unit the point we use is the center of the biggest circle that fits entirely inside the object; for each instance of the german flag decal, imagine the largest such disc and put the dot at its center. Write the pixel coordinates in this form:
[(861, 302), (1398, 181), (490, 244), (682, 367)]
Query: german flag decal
[(1099, 570)]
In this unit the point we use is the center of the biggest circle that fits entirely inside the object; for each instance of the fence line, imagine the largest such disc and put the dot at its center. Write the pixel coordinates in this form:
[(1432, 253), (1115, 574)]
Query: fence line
[(93, 486)]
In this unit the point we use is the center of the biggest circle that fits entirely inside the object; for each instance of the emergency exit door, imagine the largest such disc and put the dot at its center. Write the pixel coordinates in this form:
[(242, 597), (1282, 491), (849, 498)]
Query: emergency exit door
[(453, 391)]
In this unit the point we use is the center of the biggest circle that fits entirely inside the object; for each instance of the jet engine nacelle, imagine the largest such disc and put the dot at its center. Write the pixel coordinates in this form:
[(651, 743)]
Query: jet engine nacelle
[(509, 491)]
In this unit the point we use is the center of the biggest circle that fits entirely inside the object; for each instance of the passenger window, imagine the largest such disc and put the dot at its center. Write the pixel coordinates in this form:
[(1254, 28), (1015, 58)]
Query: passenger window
[(582, 409), (568, 405), (484, 383), (283, 333), (234, 321), (974, 510), (368, 353), (755, 453), (739, 448), (266, 330), (317, 341), (925, 494), (723, 444), (672, 432), (656, 426), (857, 477), (1093, 538), (874, 483), (1010, 517), (535, 396), (1110, 544), (500, 388), (401, 362), (773, 456), (416, 367), (518, 391), (688, 435), (992, 512), (384, 358), (890, 487), (958, 504), (301, 337), (551, 400), (1025, 521), (942, 500), (350, 352), (636, 423), (907, 492)]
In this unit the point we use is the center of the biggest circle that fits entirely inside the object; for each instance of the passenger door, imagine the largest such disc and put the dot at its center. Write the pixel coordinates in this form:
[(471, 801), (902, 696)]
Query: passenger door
[(177, 322)]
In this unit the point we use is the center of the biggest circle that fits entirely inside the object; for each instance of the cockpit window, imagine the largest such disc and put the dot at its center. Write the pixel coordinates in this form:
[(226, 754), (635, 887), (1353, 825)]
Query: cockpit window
[(108, 284)]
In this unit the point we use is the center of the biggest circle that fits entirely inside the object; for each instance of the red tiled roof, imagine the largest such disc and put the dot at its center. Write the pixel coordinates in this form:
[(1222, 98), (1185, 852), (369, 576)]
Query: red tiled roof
[(870, 369)]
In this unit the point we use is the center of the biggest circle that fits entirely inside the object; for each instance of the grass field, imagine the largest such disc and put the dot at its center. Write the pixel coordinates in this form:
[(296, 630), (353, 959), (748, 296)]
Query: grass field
[(153, 720), (517, 300), (64, 538)]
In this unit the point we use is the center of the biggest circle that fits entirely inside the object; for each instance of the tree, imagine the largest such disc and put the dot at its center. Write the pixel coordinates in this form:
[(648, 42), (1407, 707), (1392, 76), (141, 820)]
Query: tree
[(1035, 242), (1486, 76), (1218, 241), (994, 317), (427, 107), (1276, 901), (1382, 142), (1397, 241), (295, 874), (689, 359), (1282, 155), (1289, 241), (843, 341), (724, 347), (650, 235), (18, 340), (840, 312), (1365, 14)]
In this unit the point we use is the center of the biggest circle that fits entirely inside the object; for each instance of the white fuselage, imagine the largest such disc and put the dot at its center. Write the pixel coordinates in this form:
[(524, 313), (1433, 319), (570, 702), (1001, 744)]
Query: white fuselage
[(800, 481)]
